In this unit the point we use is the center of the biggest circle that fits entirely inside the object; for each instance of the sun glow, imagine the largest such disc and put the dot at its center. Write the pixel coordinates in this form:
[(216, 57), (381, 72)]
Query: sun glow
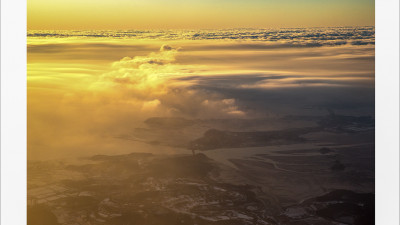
[(174, 14)]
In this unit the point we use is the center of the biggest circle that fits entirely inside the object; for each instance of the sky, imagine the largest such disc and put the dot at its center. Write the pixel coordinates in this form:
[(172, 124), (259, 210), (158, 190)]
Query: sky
[(196, 14)]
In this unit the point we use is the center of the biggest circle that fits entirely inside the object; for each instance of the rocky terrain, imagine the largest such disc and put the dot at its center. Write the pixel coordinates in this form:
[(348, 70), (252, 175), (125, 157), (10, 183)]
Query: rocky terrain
[(139, 188)]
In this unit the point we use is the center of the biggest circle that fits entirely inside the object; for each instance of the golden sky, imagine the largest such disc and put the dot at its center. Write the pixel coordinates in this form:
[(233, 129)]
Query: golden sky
[(193, 14)]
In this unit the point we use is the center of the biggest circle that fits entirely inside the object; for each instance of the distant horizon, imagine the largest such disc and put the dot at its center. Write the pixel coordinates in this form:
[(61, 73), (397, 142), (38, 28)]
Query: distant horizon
[(189, 29)]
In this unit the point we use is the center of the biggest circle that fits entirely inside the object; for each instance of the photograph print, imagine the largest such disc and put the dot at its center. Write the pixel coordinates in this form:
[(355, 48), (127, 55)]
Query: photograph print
[(257, 112)]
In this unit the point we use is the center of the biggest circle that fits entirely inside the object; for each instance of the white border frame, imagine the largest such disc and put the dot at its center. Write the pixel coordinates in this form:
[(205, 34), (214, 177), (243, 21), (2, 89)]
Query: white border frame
[(13, 112), (387, 111)]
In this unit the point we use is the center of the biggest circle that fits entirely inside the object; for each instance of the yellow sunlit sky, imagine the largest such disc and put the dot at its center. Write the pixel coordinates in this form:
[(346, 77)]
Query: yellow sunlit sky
[(196, 14)]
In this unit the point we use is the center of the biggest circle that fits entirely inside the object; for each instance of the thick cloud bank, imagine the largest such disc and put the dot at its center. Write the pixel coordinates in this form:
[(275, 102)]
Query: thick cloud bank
[(303, 36)]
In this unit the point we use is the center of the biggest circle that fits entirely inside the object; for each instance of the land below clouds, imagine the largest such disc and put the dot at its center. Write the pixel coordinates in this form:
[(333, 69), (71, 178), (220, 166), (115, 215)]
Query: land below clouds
[(277, 187), (209, 134), (314, 170)]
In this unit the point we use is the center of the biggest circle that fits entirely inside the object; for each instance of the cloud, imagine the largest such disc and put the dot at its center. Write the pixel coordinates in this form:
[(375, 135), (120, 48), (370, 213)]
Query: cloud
[(166, 48), (143, 72), (223, 106), (150, 105), (165, 56), (162, 87), (313, 36), (362, 42)]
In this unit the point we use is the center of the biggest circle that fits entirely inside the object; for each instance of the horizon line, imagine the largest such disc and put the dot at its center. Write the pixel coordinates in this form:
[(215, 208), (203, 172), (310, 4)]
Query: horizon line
[(232, 28)]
